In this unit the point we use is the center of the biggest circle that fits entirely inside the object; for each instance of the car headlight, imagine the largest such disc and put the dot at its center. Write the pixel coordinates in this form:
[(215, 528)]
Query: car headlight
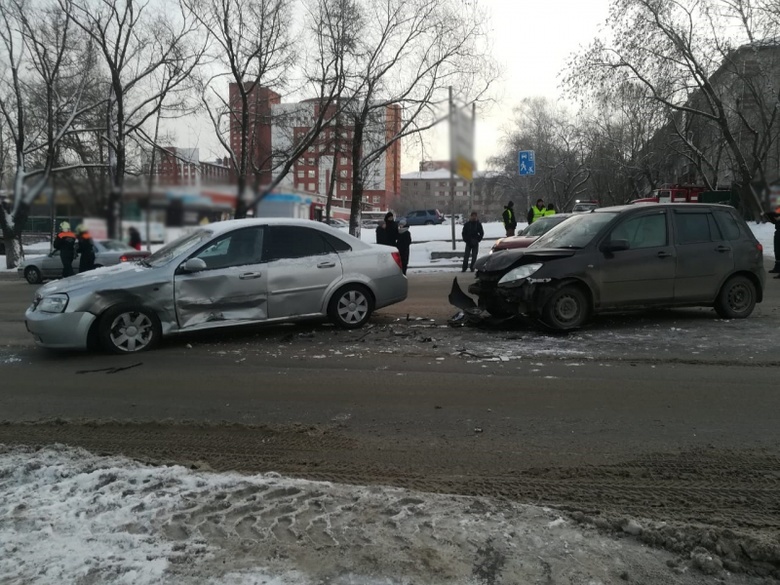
[(53, 303), (520, 273)]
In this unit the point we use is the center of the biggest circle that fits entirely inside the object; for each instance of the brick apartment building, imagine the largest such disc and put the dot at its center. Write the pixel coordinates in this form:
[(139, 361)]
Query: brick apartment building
[(182, 167), (278, 126)]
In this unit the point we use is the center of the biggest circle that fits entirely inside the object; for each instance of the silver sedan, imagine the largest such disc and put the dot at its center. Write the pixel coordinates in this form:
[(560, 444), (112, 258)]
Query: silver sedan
[(107, 253), (227, 273)]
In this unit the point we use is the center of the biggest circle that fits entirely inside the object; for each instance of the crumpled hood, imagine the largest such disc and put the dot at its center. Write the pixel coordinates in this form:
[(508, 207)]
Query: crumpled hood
[(502, 259), (110, 276)]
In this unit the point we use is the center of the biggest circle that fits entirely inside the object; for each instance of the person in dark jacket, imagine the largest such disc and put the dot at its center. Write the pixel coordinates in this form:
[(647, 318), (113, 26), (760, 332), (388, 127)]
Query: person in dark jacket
[(391, 229), (86, 249), (774, 217), (403, 243), (539, 210), (135, 238), (509, 219), (472, 235), (381, 233), (65, 242)]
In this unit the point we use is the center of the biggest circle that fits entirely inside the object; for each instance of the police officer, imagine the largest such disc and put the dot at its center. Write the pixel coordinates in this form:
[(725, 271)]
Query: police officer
[(65, 242), (550, 209), (509, 219), (536, 212)]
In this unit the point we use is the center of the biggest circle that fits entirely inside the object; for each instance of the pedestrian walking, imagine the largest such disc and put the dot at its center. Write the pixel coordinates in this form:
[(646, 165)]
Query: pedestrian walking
[(509, 219), (774, 217), (135, 238), (381, 233), (65, 242), (472, 235), (86, 249), (391, 229), (536, 211), (403, 243)]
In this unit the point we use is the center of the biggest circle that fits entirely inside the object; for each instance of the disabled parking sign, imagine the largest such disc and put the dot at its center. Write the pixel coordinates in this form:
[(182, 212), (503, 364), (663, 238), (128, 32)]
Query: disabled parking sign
[(526, 162)]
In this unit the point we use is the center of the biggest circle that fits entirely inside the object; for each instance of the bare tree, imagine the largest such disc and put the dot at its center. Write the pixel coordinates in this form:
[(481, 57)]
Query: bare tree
[(149, 55), (687, 55), (252, 51), (39, 100)]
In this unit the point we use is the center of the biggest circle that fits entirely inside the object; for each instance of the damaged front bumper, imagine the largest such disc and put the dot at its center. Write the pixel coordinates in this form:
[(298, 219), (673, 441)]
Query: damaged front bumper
[(521, 299)]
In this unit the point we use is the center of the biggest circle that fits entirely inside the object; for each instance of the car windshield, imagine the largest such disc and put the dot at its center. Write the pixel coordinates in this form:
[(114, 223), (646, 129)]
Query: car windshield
[(541, 226), (114, 245), (175, 248), (577, 232)]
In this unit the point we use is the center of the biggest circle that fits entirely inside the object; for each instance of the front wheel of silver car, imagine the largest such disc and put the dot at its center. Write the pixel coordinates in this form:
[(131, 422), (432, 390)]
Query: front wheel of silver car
[(566, 309), (351, 306), (129, 329), (737, 298), (32, 275)]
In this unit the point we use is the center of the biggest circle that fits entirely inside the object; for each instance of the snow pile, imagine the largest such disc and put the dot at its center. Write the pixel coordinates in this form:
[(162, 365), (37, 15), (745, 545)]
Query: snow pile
[(72, 517)]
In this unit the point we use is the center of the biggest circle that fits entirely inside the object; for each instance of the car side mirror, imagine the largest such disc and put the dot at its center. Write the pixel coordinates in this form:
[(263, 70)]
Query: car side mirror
[(193, 265), (615, 246)]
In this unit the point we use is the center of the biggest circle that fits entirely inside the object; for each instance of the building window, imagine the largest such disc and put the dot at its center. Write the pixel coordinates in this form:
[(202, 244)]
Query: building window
[(343, 173), (344, 160), (312, 187), (343, 186), (301, 174), (310, 161), (311, 174)]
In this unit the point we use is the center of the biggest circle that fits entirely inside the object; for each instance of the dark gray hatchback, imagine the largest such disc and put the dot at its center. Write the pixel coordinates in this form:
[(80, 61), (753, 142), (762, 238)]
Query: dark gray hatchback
[(626, 258)]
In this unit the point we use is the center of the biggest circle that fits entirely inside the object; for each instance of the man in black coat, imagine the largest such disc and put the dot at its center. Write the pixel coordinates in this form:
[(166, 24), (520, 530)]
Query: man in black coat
[(381, 233), (391, 229), (472, 234), (403, 243)]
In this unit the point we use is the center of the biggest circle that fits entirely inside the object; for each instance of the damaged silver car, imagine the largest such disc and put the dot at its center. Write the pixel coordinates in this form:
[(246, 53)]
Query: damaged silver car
[(624, 258), (227, 273)]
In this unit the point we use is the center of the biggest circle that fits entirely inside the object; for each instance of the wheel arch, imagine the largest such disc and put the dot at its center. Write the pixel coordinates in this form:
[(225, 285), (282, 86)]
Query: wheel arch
[(751, 276)]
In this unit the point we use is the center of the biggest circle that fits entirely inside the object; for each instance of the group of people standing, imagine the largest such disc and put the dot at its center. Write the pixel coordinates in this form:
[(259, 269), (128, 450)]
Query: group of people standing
[(539, 210), (72, 243), (392, 233)]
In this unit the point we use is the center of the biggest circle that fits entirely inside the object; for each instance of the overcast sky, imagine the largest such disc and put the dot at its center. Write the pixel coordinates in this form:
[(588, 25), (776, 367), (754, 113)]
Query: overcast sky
[(531, 39)]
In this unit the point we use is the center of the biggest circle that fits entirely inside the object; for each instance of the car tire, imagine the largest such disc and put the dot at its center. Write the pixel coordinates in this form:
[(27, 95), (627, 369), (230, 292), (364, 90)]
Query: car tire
[(566, 309), (129, 329), (33, 275), (736, 299), (351, 306)]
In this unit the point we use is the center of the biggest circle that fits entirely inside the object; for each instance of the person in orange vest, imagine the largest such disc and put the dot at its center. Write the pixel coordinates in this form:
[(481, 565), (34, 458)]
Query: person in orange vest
[(86, 249), (65, 242), (774, 217)]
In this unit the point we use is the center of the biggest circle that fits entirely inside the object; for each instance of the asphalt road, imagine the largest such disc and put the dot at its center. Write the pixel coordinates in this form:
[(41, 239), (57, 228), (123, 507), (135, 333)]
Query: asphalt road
[(670, 416)]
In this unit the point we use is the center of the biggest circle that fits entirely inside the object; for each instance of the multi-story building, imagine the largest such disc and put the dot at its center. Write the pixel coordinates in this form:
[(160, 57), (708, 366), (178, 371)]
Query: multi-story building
[(177, 166), (425, 189), (277, 127)]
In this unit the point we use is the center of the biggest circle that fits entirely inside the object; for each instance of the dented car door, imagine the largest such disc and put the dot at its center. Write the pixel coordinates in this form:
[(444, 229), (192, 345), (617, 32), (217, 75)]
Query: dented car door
[(231, 289), (302, 267)]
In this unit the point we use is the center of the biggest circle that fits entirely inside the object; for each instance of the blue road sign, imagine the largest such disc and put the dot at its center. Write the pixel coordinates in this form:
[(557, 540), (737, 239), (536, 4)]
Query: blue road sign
[(526, 162)]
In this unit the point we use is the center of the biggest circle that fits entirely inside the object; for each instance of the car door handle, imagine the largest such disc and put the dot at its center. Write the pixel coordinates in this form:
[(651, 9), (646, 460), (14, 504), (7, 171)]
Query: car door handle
[(663, 254), (326, 265), (250, 275), (723, 248)]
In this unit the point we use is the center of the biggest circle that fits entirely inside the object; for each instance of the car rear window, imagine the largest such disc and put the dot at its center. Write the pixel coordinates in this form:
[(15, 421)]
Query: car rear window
[(114, 246), (695, 228)]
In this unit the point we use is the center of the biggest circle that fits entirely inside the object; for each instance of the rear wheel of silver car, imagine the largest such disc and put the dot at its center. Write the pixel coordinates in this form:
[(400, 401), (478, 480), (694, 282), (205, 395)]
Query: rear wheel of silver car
[(737, 298), (351, 306), (32, 275), (567, 308), (129, 329)]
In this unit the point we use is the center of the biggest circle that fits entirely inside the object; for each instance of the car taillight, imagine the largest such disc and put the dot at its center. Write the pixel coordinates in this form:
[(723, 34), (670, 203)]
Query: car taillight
[(397, 258), (759, 247), (124, 258)]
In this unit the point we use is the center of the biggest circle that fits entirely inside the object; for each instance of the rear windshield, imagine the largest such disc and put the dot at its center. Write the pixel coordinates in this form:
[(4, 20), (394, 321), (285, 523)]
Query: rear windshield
[(115, 246), (577, 232)]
